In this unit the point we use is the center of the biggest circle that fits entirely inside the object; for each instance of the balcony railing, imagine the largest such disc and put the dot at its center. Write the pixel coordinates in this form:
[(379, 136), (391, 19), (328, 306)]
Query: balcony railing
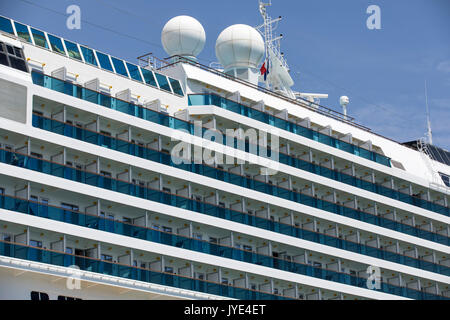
[(150, 234), (101, 181), (166, 120), (212, 99), (215, 173), (21, 251)]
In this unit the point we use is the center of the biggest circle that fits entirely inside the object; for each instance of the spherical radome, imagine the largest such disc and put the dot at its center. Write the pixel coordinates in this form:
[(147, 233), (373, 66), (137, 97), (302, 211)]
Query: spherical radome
[(344, 100), (184, 36), (240, 45)]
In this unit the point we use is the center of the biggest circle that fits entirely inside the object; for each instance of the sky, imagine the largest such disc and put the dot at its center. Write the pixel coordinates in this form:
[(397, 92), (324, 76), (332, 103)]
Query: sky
[(327, 45)]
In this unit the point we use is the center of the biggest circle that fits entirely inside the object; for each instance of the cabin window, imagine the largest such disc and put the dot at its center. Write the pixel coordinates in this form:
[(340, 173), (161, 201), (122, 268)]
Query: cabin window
[(68, 206), (197, 236), (64, 298), (39, 295), (106, 257), (213, 240), (12, 57), (36, 243), (168, 269), (127, 220), (105, 173)]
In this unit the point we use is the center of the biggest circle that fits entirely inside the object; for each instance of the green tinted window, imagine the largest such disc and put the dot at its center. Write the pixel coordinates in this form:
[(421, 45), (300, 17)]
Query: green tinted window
[(103, 59), (119, 66), (162, 81), (176, 87), (134, 71), (72, 50), (88, 55), (39, 38), (56, 44), (22, 31), (6, 25), (149, 78)]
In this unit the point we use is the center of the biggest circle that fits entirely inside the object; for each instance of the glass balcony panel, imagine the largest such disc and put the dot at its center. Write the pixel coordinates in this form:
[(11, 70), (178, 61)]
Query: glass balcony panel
[(289, 126), (149, 77), (103, 59), (6, 25), (56, 44), (39, 38), (134, 72), (22, 31), (38, 165), (72, 50), (119, 66), (163, 82), (164, 119), (176, 86), (88, 55)]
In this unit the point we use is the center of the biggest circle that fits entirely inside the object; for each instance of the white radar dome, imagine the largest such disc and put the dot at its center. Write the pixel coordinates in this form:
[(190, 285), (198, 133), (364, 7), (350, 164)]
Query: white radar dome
[(344, 100), (184, 36), (240, 46)]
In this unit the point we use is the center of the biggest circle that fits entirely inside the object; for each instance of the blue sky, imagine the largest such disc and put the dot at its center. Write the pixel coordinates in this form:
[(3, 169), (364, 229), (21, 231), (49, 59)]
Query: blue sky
[(326, 43)]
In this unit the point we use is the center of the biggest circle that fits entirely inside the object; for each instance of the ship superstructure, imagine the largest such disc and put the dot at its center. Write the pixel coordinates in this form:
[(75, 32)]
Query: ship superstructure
[(169, 179)]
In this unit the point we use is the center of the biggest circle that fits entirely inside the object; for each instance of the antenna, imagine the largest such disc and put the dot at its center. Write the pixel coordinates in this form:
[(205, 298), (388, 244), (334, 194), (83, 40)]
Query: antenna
[(429, 133), (266, 29), (344, 101), (276, 76)]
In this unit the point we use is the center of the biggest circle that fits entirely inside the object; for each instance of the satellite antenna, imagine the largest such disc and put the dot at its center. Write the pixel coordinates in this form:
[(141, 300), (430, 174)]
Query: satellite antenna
[(429, 133)]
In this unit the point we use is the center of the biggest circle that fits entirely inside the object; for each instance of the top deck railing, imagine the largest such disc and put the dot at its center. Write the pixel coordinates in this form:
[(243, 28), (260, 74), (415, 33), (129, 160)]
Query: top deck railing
[(312, 106), (149, 60)]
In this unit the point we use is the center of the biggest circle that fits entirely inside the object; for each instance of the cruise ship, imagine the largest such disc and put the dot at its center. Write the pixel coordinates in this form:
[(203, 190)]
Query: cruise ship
[(165, 178)]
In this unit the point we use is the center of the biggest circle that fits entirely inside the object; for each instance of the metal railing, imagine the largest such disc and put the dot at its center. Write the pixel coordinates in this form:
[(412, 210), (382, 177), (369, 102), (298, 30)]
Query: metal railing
[(302, 103)]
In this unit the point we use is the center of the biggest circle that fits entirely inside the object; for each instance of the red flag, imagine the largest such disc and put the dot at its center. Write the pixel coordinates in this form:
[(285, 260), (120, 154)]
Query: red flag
[(263, 68)]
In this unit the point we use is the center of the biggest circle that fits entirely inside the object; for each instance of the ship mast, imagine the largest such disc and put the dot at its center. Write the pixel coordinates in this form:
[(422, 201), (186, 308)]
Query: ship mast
[(272, 45), (429, 133), (278, 78)]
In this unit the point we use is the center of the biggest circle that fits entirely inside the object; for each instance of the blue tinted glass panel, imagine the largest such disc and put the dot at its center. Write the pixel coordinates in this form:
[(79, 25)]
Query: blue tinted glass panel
[(56, 44), (22, 31), (176, 87), (72, 50), (162, 81), (88, 55), (103, 59), (149, 78), (119, 66), (445, 179), (134, 71), (39, 38), (6, 25)]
